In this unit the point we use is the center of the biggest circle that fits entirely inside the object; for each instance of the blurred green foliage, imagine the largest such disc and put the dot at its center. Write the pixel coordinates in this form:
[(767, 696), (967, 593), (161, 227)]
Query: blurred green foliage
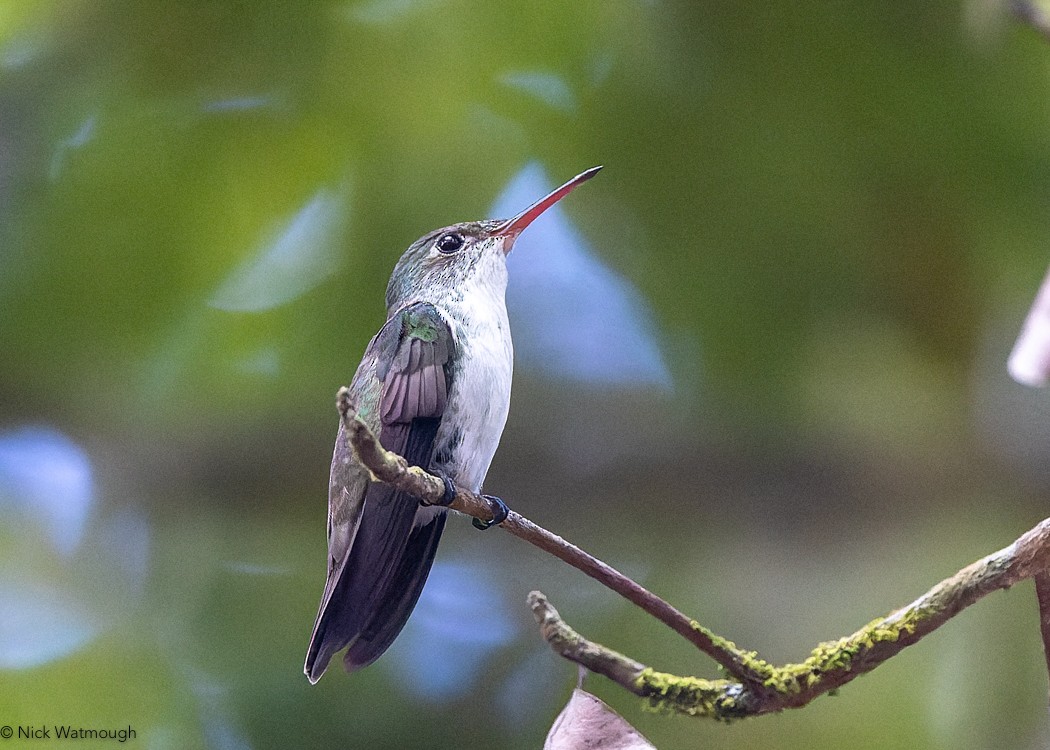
[(836, 212)]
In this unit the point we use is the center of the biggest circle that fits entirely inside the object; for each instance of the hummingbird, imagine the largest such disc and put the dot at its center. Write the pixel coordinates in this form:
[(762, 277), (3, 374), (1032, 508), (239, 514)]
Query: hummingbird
[(434, 386)]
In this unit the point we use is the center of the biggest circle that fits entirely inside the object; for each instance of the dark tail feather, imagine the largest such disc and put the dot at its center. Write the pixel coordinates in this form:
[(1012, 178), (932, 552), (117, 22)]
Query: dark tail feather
[(400, 597), (368, 572), (370, 575)]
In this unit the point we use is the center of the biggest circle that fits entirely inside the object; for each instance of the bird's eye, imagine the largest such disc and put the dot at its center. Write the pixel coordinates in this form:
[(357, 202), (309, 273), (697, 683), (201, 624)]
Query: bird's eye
[(449, 243)]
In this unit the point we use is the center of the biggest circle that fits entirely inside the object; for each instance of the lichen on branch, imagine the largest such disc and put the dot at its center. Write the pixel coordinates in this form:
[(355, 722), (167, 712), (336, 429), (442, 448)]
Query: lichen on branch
[(752, 686), (830, 665)]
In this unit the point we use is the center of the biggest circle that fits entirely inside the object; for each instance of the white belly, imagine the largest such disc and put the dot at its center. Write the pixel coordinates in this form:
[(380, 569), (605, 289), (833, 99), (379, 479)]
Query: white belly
[(479, 397)]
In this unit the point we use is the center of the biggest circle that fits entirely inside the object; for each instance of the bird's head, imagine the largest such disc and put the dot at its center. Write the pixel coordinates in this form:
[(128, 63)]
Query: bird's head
[(455, 259)]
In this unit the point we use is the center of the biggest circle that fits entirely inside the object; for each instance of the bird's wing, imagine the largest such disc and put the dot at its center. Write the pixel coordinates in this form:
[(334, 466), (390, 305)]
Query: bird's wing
[(379, 551)]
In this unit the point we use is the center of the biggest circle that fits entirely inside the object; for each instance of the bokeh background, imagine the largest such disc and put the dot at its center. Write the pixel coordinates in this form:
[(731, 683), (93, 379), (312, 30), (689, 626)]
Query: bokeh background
[(760, 359)]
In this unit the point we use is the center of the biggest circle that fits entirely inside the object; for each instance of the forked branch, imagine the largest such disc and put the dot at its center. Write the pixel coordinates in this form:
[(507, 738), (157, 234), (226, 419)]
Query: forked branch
[(753, 686)]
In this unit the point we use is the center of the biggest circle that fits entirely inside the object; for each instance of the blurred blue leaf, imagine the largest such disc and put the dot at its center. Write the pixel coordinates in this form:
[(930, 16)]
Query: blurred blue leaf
[(459, 622), (380, 12), (27, 46), (40, 623), (49, 611), (238, 104), (266, 362), (256, 569), (82, 136), (46, 476), (544, 86), (572, 316), (301, 255), (221, 732)]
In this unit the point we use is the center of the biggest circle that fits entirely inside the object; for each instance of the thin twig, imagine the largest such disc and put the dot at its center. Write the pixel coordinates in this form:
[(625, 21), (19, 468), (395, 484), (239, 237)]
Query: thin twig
[(391, 468), (722, 699), (565, 641)]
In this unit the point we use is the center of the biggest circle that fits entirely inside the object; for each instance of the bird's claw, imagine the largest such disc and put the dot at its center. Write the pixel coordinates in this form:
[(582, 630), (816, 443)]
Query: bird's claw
[(450, 492), (499, 509)]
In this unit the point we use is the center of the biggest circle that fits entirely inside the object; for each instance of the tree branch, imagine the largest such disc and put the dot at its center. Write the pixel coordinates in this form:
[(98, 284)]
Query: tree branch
[(758, 687), (393, 469), (829, 666)]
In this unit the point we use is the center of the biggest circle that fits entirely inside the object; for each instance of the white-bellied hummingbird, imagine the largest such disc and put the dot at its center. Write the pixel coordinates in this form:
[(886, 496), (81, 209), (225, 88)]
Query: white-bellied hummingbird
[(434, 385)]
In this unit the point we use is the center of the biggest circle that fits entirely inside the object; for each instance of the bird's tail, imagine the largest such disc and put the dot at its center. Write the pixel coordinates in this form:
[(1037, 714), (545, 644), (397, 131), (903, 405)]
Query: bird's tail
[(393, 610), (372, 626)]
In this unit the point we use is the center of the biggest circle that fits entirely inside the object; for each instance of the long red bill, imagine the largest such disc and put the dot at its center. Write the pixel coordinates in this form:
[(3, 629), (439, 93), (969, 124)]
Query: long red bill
[(513, 227)]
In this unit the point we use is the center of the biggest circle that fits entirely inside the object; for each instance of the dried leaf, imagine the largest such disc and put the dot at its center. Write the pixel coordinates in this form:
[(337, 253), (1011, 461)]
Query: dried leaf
[(587, 723)]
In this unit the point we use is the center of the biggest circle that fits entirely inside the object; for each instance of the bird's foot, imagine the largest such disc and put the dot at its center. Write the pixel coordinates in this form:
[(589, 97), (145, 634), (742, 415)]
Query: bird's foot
[(499, 509), (450, 492)]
